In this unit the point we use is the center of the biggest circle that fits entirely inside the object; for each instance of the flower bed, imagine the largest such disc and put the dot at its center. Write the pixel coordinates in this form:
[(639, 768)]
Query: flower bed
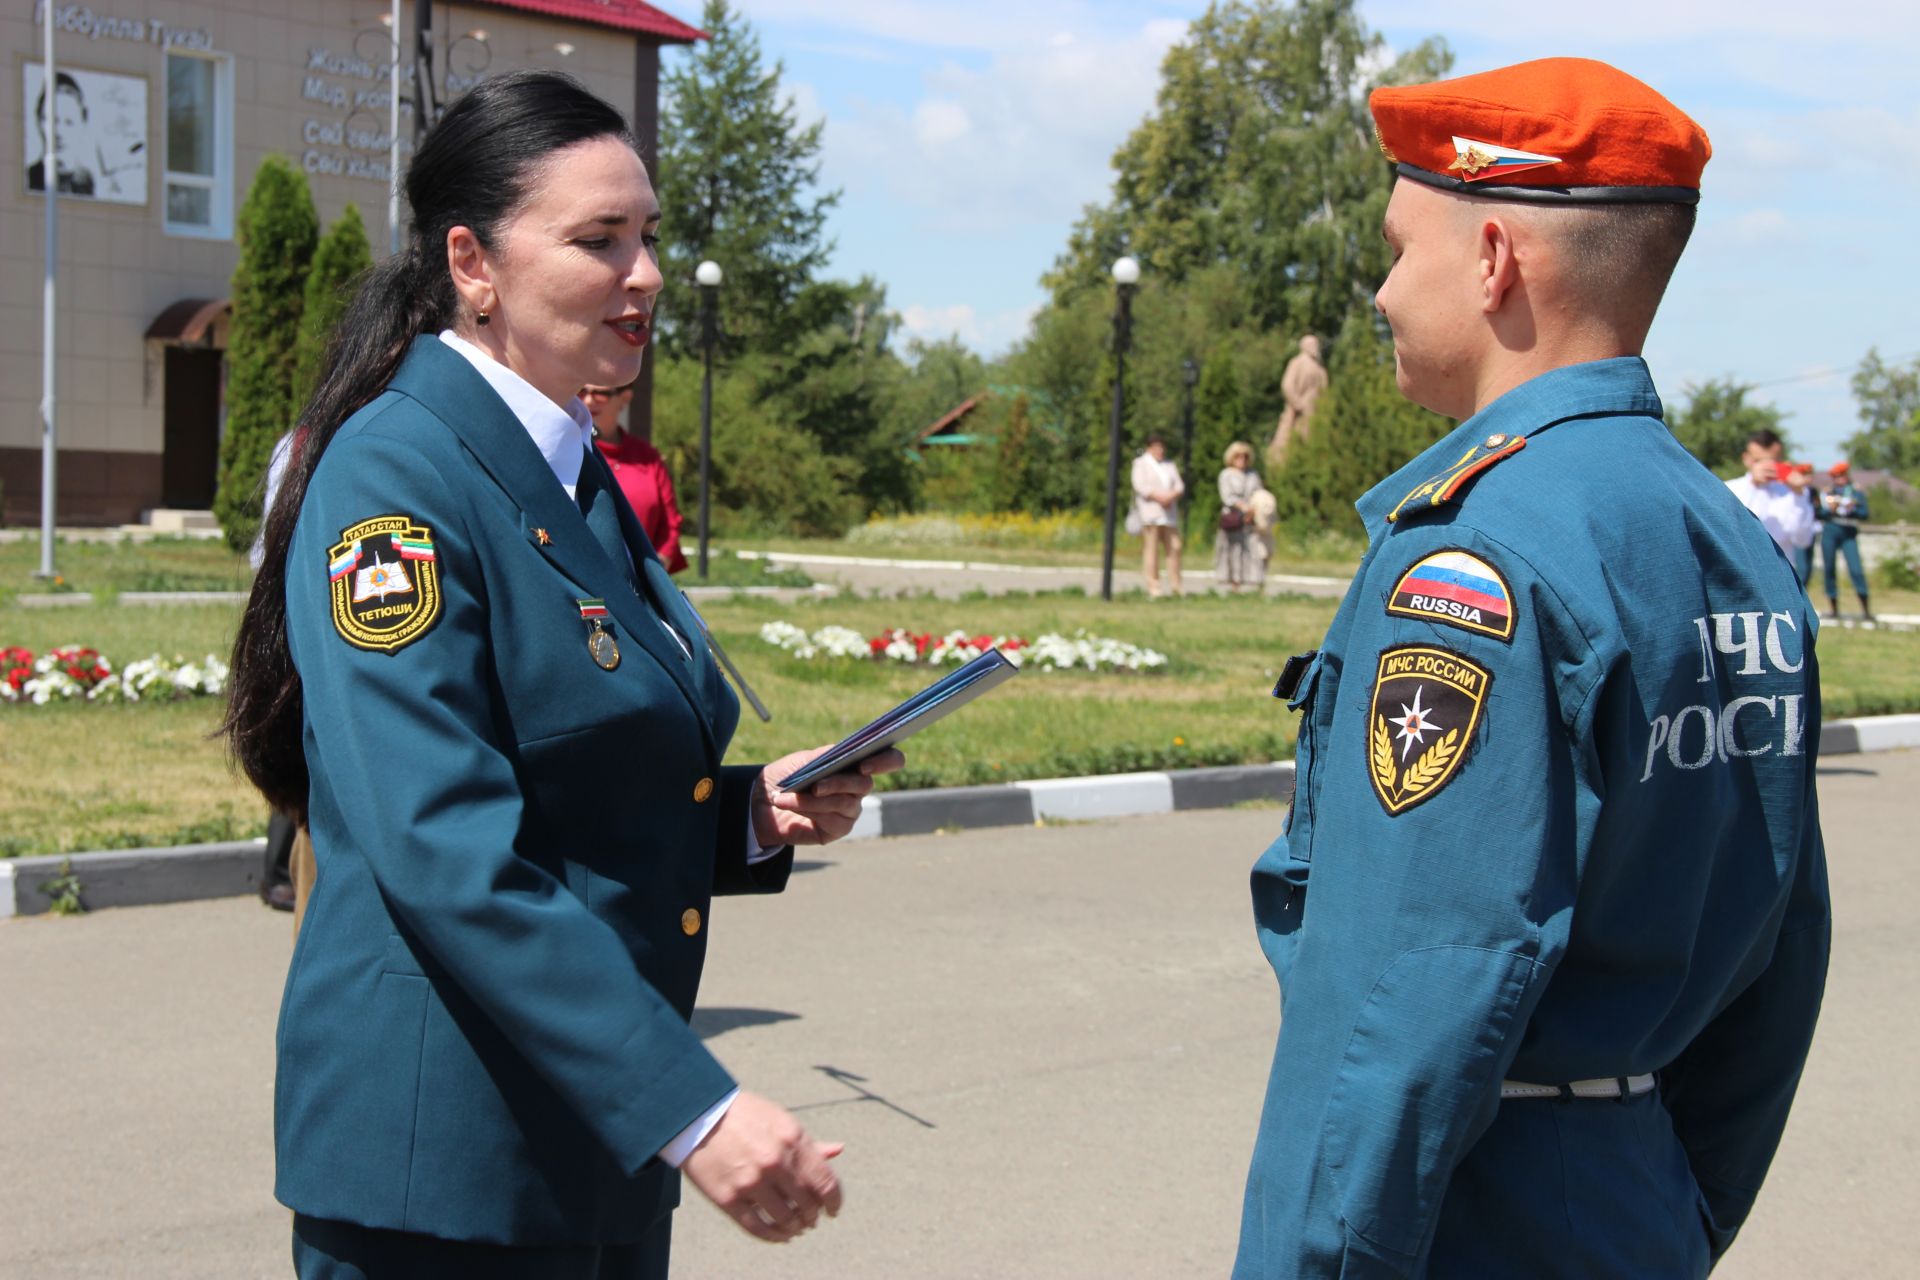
[(77, 673), (1049, 652)]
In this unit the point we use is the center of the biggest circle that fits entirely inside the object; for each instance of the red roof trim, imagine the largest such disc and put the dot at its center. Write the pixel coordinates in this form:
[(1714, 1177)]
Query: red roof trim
[(952, 416), (614, 15)]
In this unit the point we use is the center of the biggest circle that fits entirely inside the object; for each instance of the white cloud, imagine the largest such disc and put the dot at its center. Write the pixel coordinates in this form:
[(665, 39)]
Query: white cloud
[(986, 334), (937, 122), (1652, 22), (982, 25), (1026, 138)]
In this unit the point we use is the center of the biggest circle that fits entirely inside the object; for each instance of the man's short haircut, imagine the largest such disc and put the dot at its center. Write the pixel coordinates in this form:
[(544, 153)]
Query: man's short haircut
[(1625, 251), (1155, 439), (1764, 438)]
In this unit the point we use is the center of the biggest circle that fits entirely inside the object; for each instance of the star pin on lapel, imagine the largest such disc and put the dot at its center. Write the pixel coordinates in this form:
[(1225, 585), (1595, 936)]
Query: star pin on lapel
[(542, 537)]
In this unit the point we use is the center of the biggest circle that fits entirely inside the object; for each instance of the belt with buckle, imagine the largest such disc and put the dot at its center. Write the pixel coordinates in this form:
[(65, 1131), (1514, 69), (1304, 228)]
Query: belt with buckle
[(1620, 1087)]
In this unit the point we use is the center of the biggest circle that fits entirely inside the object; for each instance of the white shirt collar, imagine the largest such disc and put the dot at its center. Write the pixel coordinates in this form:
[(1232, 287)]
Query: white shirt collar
[(561, 435)]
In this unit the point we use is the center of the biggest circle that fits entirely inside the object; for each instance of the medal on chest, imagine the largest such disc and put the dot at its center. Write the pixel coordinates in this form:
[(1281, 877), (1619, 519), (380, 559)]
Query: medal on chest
[(600, 642)]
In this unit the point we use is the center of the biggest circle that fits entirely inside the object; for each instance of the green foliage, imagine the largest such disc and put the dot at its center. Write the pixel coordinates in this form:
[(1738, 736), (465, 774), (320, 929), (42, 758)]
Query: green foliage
[(342, 255), (63, 891), (767, 473), (1900, 571), (1259, 157), (1218, 421), (736, 178), (276, 230), (1716, 421), (1363, 431), (835, 379), (1889, 397), (1026, 463)]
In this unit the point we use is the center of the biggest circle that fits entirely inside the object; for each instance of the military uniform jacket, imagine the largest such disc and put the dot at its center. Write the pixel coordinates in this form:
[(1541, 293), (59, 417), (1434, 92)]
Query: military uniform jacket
[(1554, 820), (484, 1034)]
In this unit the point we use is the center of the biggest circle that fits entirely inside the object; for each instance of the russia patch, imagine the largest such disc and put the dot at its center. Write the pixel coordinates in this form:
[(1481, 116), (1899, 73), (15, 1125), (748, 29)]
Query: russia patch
[(1459, 589)]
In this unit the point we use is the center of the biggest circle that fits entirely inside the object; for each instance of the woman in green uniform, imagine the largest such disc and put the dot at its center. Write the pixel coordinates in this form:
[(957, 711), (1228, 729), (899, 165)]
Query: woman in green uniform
[(465, 668)]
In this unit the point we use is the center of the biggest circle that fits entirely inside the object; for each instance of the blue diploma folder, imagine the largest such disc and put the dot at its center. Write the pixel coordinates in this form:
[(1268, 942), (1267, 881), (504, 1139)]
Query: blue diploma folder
[(949, 693)]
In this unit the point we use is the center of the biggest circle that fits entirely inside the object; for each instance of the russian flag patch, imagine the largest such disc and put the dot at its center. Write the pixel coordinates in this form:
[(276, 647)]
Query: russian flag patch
[(1458, 589)]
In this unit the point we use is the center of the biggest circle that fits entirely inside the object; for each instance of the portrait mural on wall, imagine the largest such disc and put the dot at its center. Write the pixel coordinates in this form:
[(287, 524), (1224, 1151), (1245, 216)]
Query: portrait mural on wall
[(102, 133)]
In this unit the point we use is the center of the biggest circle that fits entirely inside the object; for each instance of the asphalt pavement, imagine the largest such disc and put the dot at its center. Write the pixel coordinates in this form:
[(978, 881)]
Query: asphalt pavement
[(1045, 1049)]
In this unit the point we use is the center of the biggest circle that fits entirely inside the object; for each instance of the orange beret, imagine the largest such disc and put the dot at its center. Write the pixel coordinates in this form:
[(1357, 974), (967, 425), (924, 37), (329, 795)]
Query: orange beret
[(1839, 468), (1560, 130)]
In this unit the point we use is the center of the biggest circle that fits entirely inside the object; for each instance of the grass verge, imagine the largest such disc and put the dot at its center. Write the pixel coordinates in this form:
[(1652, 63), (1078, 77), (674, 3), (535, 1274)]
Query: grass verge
[(91, 777)]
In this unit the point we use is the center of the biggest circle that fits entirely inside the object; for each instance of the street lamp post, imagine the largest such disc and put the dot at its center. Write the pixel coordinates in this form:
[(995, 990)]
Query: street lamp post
[(1189, 375), (708, 276), (1126, 274)]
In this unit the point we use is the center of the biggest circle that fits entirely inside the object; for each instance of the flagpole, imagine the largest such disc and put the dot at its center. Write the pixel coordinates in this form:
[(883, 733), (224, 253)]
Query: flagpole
[(393, 136), (50, 170)]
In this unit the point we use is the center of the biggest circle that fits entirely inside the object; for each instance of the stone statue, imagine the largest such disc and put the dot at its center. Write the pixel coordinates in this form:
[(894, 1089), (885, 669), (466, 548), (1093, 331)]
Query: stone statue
[(1301, 384)]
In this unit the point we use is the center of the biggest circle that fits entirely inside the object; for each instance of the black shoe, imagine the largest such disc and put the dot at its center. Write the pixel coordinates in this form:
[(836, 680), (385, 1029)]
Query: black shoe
[(1833, 609), (1865, 613), (277, 896)]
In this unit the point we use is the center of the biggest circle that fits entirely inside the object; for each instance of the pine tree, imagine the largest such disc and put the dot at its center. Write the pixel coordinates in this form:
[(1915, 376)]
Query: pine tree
[(737, 185), (1363, 431), (1218, 420), (276, 229), (343, 254)]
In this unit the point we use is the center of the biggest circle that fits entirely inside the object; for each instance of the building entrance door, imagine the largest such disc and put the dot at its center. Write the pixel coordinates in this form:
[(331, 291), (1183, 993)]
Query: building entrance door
[(190, 464)]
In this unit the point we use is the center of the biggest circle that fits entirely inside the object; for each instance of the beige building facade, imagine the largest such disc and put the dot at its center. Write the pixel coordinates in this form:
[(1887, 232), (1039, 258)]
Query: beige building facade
[(164, 110)]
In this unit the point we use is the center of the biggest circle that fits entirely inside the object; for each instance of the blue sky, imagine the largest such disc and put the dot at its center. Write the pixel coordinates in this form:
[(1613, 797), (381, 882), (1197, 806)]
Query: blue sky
[(968, 137)]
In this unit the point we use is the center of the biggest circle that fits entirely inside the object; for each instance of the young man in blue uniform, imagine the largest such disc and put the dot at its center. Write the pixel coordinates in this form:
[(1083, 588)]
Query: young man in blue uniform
[(1843, 506), (1549, 914)]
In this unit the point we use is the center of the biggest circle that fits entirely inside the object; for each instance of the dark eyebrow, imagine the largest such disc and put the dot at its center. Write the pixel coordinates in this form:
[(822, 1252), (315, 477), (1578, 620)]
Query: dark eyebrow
[(620, 219)]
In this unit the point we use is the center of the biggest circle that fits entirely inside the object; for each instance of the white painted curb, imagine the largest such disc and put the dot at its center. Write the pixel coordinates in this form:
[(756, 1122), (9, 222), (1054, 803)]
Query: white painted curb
[(6, 888), (867, 825), (1117, 795), (1886, 733)]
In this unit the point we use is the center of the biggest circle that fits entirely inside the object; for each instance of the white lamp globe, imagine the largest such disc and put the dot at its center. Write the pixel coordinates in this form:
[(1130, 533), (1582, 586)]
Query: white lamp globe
[(708, 273), (1126, 271)]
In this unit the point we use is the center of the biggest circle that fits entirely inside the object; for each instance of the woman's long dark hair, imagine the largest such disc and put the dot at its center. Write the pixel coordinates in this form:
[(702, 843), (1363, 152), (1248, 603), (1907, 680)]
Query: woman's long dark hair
[(474, 169)]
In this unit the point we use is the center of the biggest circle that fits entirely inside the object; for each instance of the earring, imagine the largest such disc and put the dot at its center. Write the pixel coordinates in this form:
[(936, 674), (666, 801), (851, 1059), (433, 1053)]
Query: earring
[(481, 318)]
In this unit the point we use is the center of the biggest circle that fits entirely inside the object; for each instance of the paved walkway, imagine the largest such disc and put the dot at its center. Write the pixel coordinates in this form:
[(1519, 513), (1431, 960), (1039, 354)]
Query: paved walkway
[(1044, 1047)]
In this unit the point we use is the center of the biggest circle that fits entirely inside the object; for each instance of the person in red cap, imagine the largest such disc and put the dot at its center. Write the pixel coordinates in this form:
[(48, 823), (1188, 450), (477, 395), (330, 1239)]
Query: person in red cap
[(1843, 505), (1549, 910), (640, 469)]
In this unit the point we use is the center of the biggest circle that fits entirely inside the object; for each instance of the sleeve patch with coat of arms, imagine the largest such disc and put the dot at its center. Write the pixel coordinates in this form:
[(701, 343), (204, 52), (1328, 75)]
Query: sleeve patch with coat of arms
[(384, 577), (1427, 705)]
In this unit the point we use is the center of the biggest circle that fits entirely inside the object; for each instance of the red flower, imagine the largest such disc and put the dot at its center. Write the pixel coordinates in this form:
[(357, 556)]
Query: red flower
[(76, 672)]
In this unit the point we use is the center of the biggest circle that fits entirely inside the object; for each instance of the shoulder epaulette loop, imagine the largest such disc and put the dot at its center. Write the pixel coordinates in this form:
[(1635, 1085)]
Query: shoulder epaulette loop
[(1438, 491)]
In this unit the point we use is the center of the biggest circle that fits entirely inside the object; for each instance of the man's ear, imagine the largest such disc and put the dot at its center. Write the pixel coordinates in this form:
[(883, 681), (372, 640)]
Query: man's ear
[(471, 269), (1495, 260)]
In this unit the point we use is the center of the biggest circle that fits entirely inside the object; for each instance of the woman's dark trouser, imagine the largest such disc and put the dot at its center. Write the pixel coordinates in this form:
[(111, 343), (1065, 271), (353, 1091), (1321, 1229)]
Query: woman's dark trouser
[(327, 1250)]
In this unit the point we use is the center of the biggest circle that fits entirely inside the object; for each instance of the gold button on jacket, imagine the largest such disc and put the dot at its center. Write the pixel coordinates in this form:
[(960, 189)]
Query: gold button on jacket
[(702, 789), (690, 921)]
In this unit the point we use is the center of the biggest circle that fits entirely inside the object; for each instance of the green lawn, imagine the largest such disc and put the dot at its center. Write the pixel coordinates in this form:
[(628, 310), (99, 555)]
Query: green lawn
[(83, 777)]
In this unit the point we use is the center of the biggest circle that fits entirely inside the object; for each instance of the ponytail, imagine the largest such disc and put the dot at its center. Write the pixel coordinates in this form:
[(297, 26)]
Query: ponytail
[(473, 169)]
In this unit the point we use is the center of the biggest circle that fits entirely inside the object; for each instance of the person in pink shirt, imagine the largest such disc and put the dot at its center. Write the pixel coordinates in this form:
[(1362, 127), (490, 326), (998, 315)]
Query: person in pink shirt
[(640, 469)]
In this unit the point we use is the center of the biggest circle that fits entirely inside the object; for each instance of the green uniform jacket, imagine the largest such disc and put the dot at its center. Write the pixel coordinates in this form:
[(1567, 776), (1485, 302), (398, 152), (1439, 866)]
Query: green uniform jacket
[(484, 1034)]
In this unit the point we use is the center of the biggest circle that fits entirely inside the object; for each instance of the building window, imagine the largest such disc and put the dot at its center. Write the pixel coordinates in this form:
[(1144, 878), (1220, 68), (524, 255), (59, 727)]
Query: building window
[(199, 181)]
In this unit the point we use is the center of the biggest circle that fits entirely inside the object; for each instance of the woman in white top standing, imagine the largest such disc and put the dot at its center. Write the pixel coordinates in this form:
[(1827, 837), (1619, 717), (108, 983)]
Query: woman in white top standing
[(1156, 504)]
